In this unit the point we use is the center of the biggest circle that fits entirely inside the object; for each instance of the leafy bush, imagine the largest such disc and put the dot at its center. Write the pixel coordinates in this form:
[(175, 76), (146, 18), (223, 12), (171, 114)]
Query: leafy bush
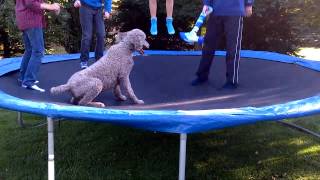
[(277, 25), (10, 38), (271, 28), (135, 14)]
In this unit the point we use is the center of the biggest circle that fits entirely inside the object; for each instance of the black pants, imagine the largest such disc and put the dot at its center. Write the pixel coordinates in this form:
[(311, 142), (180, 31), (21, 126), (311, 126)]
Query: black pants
[(217, 26), (90, 20)]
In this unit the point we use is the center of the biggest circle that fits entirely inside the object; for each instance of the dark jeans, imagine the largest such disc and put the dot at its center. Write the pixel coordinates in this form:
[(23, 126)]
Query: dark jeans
[(31, 60), (89, 18), (217, 26)]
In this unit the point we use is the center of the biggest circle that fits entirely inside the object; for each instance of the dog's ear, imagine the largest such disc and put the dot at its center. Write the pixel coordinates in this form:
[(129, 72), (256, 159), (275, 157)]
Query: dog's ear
[(120, 36), (137, 42), (131, 39)]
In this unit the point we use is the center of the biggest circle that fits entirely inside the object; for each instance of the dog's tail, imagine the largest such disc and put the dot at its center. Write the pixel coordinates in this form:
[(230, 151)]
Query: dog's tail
[(59, 89)]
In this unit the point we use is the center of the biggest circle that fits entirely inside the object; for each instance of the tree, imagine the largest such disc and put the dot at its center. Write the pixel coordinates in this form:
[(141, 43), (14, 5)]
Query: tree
[(10, 40), (307, 21), (64, 29), (271, 27), (135, 14), (277, 25)]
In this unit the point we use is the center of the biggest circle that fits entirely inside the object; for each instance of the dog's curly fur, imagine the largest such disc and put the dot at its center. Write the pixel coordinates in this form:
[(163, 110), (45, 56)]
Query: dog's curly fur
[(110, 72)]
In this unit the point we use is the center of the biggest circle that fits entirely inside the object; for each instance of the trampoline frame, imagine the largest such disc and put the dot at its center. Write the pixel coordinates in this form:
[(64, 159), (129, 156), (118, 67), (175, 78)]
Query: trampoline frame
[(244, 115)]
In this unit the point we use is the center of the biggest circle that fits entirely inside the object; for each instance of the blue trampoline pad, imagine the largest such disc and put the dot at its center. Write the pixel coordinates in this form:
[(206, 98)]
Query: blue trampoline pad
[(272, 87)]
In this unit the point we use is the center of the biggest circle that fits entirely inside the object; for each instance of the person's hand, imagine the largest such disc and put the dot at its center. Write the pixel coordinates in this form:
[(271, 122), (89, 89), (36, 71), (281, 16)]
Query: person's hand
[(51, 7), (77, 4), (106, 15), (248, 11), (205, 9), (56, 8)]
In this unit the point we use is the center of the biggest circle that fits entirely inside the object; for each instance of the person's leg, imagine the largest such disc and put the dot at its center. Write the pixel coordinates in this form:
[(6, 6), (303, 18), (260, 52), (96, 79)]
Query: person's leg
[(100, 34), (211, 40), (35, 36), (233, 26), (26, 56), (169, 8), (169, 19), (153, 14), (86, 21), (153, 8)]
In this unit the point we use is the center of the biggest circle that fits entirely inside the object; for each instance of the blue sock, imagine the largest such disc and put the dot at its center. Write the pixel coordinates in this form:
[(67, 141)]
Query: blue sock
[(170, 27), (154, 28)]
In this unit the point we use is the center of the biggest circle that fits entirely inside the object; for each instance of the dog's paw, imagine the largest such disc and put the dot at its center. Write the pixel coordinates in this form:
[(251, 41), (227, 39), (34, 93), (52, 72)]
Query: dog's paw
[(97, 104), (72, 100), (139, 101), (122, 98)]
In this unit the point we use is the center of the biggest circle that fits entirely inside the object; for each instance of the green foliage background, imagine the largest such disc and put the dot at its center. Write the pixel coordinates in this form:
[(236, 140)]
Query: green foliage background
[(277, 25)]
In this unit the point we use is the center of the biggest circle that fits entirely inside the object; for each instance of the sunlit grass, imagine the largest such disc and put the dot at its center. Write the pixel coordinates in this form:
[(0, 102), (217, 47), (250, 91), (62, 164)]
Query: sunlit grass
[(310, 150), (310, 53)]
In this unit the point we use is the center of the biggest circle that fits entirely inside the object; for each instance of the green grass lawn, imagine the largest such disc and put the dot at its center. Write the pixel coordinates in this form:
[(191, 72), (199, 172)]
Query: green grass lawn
[(102, 151)]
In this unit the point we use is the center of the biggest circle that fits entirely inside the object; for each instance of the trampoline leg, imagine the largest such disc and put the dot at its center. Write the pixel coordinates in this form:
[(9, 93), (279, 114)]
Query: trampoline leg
[(20, 120), (50, 148), (182, 157)]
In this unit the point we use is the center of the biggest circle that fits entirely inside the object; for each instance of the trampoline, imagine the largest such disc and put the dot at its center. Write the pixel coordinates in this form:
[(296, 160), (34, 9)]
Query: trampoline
[(272, 87)]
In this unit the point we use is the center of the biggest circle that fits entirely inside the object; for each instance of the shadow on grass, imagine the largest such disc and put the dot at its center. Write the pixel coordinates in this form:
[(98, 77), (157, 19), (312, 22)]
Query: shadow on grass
[(100, 151)]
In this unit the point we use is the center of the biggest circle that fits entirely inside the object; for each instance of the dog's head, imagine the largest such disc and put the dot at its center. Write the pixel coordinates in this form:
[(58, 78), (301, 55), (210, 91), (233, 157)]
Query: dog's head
[(137, 38)]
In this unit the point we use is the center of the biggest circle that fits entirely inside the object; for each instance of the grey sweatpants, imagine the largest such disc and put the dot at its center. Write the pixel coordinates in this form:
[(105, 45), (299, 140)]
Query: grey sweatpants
[(217, 26)]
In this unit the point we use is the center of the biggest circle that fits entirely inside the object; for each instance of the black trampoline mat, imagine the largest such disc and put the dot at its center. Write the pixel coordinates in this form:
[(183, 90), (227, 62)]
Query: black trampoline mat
[(163, 82)]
